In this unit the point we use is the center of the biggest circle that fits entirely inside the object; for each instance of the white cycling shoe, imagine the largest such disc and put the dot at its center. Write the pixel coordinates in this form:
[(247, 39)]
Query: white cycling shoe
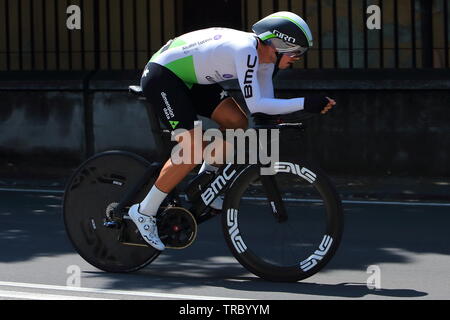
[(147, 227)]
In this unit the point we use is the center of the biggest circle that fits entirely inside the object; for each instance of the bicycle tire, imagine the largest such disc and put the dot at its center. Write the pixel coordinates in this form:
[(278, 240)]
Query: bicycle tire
[(99, 182), (240, 243)]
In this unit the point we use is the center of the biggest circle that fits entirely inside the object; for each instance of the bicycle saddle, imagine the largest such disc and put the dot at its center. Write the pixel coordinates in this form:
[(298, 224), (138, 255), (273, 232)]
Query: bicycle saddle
[(136, 90)]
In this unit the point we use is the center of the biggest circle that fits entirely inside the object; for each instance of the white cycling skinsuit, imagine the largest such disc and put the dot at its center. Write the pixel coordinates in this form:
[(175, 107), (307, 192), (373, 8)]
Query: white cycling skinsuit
[(218, 54)]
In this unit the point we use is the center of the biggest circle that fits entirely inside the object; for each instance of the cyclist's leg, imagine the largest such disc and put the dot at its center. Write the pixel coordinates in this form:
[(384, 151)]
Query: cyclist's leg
[(143, 214), (173, 173), (171, 99), (212, 101), (229, 115)]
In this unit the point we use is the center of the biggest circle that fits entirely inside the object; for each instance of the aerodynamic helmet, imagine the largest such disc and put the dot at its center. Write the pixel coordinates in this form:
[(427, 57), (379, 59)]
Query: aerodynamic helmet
[(285, 31)]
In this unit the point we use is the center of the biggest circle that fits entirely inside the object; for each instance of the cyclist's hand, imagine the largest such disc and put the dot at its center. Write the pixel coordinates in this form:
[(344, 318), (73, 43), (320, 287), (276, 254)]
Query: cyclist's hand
[(318, 104), (329, 106), (286, 61)]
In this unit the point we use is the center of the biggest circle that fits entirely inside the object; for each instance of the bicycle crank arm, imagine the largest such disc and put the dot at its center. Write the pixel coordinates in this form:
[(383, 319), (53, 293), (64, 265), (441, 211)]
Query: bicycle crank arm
[(129, 196)]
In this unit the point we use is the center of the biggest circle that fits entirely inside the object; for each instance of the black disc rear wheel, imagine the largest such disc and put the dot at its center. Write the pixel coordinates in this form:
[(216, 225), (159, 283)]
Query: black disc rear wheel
[(95, 188)]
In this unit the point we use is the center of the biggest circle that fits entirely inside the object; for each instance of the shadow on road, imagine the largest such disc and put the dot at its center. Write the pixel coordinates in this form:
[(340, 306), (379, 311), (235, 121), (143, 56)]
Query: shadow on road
[(161, 280), (341, 290)]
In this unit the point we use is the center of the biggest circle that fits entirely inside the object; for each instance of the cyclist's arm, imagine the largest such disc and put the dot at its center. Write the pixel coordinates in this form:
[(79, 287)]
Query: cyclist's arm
[(265, 81), (247, 65)]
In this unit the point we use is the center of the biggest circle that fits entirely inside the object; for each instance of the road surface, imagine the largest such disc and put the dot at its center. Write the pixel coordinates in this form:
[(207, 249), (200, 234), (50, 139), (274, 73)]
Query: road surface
[(406, 245)]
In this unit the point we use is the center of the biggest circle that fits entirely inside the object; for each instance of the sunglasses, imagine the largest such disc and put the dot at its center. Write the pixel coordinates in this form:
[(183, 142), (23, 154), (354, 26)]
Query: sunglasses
[(288, 49)]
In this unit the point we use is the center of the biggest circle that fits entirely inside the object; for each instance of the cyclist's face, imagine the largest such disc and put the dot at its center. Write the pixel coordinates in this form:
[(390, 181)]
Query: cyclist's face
[(272, 54), (267, 54)]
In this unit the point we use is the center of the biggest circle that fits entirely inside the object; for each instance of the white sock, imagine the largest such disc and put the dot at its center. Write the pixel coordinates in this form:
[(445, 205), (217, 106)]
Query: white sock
[(208, 167), (150, 205)]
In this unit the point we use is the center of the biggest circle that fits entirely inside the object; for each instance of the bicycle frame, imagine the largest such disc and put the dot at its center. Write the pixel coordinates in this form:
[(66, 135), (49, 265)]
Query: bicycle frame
[(223, 180)]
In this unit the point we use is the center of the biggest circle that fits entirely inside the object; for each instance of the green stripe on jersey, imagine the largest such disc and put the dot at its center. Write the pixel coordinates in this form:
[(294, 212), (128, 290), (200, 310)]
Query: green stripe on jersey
[(184, 69), (177, 42)]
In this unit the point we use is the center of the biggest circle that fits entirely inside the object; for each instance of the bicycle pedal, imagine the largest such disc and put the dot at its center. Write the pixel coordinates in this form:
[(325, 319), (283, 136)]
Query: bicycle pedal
[(129, 234), (112, 224)]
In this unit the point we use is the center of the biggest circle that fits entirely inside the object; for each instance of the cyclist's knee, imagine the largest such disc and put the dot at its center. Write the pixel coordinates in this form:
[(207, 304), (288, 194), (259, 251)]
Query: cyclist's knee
[(235, 122), (239, 123), (229, 115)]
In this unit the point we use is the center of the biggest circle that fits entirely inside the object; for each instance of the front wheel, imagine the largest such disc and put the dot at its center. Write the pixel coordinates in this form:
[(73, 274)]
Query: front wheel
[(283, 227), (90, 195)]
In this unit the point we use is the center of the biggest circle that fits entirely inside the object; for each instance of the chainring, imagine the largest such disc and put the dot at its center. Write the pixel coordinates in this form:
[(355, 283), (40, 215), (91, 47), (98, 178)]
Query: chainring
[(177, 228)]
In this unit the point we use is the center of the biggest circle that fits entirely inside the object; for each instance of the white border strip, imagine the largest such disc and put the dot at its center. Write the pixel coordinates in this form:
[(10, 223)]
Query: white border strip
[(41, 296), (113, 292)]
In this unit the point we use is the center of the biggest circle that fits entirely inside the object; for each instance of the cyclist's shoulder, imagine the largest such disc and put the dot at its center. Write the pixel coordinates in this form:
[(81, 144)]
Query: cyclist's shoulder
[(224, 40), (221, 34), (239, 41)]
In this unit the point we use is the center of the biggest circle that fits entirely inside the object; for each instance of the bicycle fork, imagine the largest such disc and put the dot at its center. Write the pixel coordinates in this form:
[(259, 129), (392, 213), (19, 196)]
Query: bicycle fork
[(273, 195)]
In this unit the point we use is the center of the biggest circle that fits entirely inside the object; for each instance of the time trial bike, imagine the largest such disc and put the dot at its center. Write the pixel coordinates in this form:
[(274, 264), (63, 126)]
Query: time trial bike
[(281, 227)]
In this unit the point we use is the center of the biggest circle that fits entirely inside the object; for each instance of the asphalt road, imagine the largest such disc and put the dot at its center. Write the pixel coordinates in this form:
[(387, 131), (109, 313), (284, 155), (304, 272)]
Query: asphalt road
[(409, 244)]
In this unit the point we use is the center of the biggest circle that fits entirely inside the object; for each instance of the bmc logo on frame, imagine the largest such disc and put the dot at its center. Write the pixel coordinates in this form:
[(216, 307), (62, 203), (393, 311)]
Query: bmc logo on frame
[(210, 194)]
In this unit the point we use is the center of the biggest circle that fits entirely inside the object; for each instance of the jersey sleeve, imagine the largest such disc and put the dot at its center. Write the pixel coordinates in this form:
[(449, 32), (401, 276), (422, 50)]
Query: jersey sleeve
[(253, 86), (265, 82)]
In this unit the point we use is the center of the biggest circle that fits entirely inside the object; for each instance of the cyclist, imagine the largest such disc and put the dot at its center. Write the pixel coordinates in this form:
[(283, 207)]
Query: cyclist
[(182, 79)]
